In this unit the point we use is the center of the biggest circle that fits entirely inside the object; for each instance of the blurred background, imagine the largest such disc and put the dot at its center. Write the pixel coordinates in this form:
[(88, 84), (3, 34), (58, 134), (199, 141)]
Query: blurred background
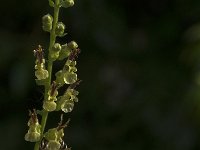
[(140, 66)]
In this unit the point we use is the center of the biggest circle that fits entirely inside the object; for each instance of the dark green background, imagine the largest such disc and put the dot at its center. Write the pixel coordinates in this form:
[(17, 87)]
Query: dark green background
[(140, 66)]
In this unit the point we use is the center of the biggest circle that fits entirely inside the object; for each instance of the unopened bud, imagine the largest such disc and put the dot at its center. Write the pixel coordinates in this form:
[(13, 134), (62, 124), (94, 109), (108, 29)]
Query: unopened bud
[(67, 3), (41, 74), (73, 45), (47, 22), (57, 47), (49, 105), (70, 77), (60, 29)]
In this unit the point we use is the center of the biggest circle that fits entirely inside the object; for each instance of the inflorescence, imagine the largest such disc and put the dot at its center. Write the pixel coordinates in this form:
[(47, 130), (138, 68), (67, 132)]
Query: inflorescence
[(53, 99)]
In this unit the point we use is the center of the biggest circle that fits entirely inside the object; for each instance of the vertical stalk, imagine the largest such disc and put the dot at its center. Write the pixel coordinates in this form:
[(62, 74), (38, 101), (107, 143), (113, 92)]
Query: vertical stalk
[(49, 68)]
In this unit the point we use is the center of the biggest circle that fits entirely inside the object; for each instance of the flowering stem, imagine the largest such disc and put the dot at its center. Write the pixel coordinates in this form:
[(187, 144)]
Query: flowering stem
[(49, 68)]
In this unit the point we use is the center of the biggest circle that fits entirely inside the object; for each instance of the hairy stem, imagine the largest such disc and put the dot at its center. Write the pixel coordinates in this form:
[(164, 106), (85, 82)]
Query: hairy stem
[(49, 68)]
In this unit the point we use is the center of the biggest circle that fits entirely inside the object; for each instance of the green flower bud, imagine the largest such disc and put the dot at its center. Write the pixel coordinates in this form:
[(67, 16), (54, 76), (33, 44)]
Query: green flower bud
[(66, 102), (49, 105), (75, 99), (65, 97), (73, 45), (67, 3), (57, 47), (47, 27), (47, 22), (51, 134), (34, 131), (60, 29), (33, 122), (72, 69), (34, 127), (50, 98), (51, 3), (54, 55), (70, 77), (41, 74), (47, 18), (70, 63), (60, 134), (74, 92), (53, 145), (32, 136), (71, 93), (60, 77), (65, 52), (55, 51), (67, 106), (70, 66), (54, 134), (39, 65)]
